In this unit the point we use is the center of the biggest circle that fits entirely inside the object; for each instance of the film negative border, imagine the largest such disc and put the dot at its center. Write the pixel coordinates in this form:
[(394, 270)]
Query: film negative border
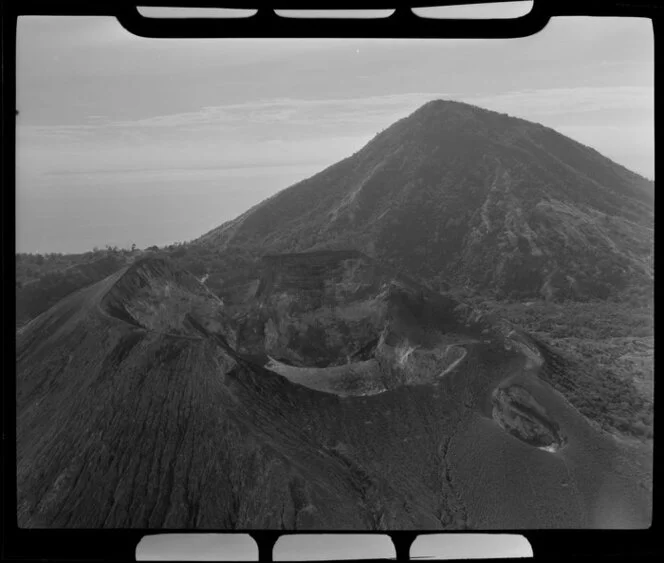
[(120, 544)]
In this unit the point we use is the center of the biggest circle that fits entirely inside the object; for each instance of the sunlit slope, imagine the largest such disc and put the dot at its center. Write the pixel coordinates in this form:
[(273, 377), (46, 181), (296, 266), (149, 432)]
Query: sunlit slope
[(135, 410)]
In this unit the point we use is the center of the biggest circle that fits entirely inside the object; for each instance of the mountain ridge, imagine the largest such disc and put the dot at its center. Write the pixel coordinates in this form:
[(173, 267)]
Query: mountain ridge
[(329, 385), (144, 424)]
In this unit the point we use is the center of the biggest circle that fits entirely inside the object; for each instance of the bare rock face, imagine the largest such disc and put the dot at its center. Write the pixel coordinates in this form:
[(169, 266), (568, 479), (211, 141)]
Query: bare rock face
[(340, 322), (321, 308), (515, 339), (152, 294)]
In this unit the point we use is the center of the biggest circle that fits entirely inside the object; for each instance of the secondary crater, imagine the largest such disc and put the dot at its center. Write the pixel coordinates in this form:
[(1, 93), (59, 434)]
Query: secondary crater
[(519, 413)]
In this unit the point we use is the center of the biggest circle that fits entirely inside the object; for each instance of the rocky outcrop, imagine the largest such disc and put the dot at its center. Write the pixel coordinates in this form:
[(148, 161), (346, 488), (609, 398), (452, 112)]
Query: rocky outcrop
[(341, 322), (155, 295)]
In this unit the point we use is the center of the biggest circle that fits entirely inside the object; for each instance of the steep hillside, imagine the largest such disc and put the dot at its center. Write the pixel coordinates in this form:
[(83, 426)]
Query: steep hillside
[(47, 287), (464, 196), (141, 403)]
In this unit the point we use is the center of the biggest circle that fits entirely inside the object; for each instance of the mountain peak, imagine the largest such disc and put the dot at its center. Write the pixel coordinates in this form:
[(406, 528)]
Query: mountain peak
[(469, 196), (441, 104), (443, 115)]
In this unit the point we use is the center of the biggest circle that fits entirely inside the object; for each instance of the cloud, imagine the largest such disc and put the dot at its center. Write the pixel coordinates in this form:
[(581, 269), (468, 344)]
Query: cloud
[(364, 111), (102, 109), (565, 101), (276, 132), (285, 131), (278, 110)]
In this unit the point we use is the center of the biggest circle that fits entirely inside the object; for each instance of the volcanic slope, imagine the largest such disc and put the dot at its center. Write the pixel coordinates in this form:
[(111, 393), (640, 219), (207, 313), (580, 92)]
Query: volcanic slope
[(462, 195), (141, 404)]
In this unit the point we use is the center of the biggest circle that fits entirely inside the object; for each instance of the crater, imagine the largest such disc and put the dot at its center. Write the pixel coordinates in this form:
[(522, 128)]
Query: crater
[(353, 379), (339, 322), (519, 414)]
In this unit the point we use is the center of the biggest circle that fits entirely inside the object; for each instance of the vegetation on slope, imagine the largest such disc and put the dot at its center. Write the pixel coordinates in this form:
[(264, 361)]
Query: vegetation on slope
[(463, 195), (609, 347), (42, 281), (94, 391), (611, 341)]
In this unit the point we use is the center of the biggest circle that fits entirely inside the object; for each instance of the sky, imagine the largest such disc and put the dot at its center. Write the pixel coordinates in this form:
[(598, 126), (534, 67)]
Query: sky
[(122, 139)]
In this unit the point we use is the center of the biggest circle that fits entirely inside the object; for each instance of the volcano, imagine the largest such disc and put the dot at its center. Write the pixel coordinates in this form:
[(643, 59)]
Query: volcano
[(341, 396), (462, 196)]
